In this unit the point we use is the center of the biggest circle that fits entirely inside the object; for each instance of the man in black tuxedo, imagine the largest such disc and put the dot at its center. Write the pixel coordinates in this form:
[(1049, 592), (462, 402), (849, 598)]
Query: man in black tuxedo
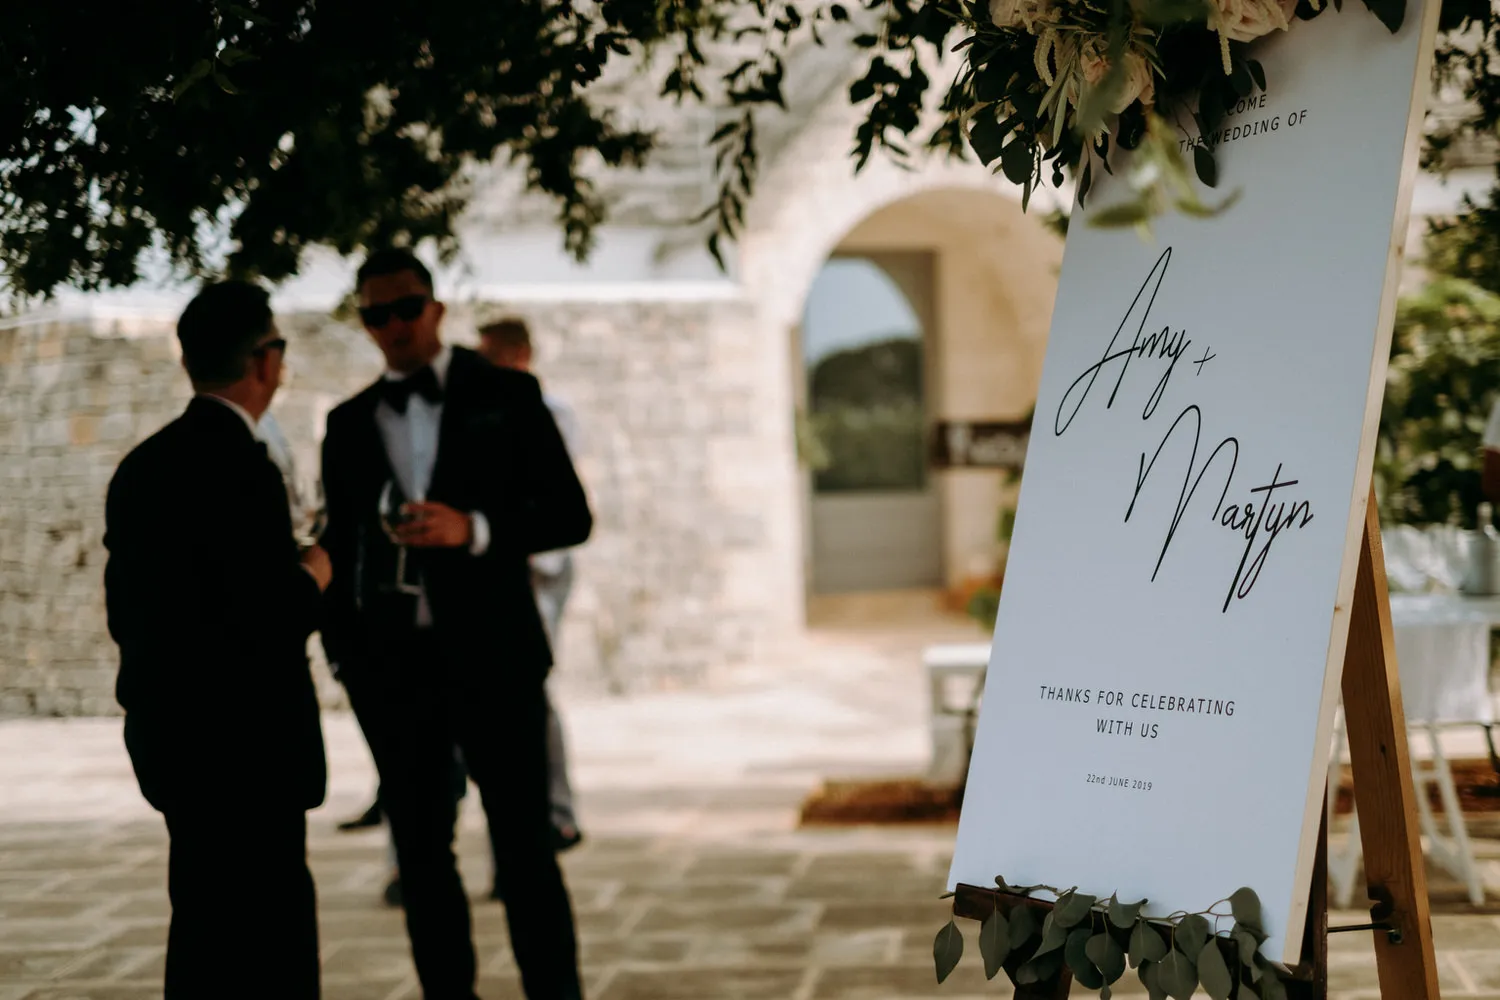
[(454, 652), (211, 606)]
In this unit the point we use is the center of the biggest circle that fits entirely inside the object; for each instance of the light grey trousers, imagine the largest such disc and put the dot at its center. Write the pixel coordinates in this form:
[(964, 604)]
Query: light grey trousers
[(551, 597)]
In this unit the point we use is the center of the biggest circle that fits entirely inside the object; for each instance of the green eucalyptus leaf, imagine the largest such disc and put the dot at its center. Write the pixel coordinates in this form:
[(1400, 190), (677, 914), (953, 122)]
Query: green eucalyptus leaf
[(987, 135), (947, 949), (1054, 935), (1242, 80), (1245, 905), (1246, 945), (1178, 975), (1258, 72), (1146, 945), (1206, 166), (1192, 934), (1214, 973), (994, 942), (1077, 957), (1390, 12), (1073, 908), (1017, 159), (1271, 986), (1107, 955), (1124, 915), (1195, 208), (1127, 213), (1041, 969), (1023, 926), (1150, 974)]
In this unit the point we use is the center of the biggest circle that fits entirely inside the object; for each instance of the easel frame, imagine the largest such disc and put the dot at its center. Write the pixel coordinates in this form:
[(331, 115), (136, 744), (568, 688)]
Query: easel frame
[(1395, 870)]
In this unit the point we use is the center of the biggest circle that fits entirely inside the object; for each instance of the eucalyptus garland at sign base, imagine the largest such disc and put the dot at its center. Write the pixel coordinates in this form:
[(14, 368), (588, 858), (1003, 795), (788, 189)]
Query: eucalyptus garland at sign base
[(1096, 939), (1056, 85)]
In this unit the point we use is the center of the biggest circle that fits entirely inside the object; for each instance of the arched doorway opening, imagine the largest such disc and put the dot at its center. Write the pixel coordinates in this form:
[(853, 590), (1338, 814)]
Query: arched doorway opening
[(934, 308), (874, 515)]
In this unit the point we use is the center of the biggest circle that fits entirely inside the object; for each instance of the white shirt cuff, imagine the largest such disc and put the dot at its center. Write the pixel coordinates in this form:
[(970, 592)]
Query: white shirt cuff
[(479, 535)]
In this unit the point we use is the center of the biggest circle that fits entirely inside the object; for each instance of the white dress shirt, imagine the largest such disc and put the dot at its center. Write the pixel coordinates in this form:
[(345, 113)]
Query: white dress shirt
[(257, 432), (411, 444), (279, 448), (239, 411)]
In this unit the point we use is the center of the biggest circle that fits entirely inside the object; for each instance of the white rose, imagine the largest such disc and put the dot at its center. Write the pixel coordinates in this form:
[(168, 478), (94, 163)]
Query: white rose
[(1093, 62), (1247, 20), (1139, 83)]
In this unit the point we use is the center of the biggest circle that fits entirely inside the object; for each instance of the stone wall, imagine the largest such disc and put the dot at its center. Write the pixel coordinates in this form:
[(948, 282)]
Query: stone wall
[(676, 582), (72, 401)]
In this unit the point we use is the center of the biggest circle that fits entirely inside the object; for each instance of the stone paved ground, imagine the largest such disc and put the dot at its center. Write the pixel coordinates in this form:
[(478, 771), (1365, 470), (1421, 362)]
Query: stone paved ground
[(694, 885)]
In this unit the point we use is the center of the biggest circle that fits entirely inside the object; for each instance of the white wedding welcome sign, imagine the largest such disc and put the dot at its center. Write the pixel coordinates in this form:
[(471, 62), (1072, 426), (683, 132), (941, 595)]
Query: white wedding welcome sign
[(1165, 671)]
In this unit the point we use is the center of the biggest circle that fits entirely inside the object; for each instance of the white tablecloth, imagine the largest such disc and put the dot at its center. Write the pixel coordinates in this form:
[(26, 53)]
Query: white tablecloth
[(1442, 638)]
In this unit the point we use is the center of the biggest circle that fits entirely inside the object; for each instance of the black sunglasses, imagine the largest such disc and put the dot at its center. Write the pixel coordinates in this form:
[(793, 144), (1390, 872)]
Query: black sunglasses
[(279, 344), (405, 309)]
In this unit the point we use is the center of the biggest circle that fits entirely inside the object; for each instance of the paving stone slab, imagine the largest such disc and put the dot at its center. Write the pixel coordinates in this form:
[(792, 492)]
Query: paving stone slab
[(34, 963), (722, 864), (116, 963), (100, 991), (731, 983), (142, 933), (789, 918)]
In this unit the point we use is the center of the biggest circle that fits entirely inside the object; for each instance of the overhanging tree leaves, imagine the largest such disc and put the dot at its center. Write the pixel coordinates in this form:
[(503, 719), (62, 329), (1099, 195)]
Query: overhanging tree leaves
[(235, 134), (1467, 61), (336, 123)]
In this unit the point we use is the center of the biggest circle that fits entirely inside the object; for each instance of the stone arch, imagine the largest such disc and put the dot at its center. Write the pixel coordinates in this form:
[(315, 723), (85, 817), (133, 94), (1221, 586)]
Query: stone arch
[(811, 205)]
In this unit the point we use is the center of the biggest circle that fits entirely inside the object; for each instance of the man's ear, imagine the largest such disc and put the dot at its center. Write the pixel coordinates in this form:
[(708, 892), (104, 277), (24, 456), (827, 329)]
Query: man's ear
[(440, 310), (261, 366)]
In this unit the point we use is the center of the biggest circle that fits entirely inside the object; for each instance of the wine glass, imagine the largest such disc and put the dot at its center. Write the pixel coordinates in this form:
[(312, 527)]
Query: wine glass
[(393, 514), (309, 514)]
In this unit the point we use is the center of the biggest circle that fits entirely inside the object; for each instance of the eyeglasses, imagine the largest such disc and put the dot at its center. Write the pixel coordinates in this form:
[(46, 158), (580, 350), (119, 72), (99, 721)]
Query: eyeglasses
[(405, 309), (279, 344)]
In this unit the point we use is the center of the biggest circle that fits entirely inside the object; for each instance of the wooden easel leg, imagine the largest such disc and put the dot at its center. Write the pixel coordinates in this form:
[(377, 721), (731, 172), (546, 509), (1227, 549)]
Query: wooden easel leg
[(1383, 792), (1310, 979)]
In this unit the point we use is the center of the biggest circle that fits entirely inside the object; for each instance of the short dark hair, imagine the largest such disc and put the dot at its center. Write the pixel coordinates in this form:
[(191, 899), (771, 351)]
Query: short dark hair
[(221, 328), (510, 331), (391, 260)]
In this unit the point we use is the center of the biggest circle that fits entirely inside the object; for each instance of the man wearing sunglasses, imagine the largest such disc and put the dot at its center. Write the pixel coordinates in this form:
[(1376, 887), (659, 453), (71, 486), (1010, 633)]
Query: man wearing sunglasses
[(443, 646), (211, 605)]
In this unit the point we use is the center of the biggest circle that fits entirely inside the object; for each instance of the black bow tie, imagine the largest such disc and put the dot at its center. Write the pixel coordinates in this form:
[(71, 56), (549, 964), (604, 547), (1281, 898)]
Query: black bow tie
[(424, 383)]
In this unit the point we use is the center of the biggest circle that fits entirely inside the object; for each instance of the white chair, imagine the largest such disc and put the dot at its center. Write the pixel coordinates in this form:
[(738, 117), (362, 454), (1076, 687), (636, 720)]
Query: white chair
[(951, 720)]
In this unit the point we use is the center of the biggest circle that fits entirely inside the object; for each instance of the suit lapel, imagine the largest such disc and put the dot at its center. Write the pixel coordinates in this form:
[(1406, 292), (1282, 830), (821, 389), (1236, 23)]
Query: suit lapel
[(368, 444), (454, 392)]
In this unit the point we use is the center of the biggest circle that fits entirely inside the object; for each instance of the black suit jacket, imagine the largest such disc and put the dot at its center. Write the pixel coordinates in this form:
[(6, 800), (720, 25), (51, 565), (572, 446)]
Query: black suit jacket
[(499, 453), (212, 610)]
